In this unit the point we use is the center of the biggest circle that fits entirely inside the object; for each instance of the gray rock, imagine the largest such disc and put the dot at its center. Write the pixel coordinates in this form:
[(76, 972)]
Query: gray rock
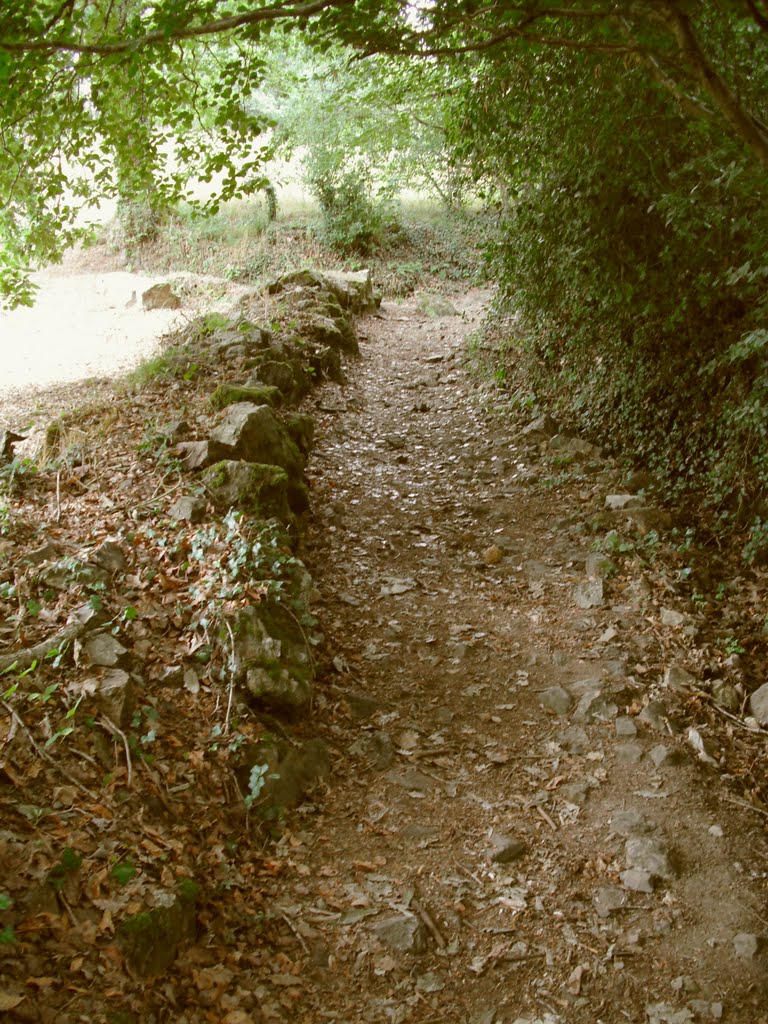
[(270, 657), (758, 705), (198, 454), (430, 982), (632, 823), (189, 509), (648, 519), (253, 433), (557, 699), (230, 394), (301, 430), (726, 695), (636, 880), (191, 681), (264, 490), (614, 502), (352, 289), (48, 552), (746, 945), (376, 748), (639, 591), (599, 566), (607, 899), (105, 651), (115, 696), (670, 617), (287, 378), (645, 853), (677, 678), (576, 792), (594, 704), (576, 448), (665, 757), (703, 1008), (361, 705), (109, 556), (507, 849), (8, 438), (160, 296), (411, 779), (655, 715), (705, 748), (575, 740), (174, 431), (625, 726), (418, 832), (402, 933), (629, 753), (542, 428), (589, 594)]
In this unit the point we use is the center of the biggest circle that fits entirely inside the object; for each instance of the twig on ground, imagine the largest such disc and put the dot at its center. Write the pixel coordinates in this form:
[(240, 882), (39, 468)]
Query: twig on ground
[(110, 726), (546, 817), (22, 660), (231, 677), (745, 803), (298, 934), (16, 717), (429, 921)]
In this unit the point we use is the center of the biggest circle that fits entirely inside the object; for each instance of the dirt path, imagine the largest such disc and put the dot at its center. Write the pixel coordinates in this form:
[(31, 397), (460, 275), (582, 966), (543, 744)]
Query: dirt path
[(517, 828), (480, 856)]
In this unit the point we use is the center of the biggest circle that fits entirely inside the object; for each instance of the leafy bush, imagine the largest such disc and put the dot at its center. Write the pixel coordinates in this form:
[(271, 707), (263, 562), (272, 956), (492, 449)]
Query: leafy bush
[(632, 243), (354, 212)]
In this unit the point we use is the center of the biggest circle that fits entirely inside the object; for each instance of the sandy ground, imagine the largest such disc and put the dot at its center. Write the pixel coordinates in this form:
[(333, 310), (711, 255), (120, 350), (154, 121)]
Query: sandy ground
[(89, 326), (80, 327)]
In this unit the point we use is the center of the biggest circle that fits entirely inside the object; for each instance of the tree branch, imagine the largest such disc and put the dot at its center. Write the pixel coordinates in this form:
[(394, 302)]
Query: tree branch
[(293, 11), (745, 126), (760, 17)]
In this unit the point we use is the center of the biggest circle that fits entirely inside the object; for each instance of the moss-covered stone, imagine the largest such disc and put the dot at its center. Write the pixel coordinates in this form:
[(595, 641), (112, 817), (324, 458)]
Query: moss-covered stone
[(254, 434), (150, 940), (251, 486), (271, 658), (288, 376), (229, 394), (301, 430)]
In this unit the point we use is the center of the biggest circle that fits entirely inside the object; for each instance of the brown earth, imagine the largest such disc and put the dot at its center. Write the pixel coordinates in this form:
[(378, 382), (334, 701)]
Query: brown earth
[(464, 862)]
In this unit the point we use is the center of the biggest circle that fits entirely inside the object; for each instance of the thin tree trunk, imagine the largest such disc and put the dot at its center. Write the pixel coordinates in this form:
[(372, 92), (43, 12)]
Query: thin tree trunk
[(746, 127)]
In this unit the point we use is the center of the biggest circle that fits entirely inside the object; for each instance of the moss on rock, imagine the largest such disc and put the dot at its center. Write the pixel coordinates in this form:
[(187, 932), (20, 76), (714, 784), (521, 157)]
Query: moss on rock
[(230, 394), (250, 486)]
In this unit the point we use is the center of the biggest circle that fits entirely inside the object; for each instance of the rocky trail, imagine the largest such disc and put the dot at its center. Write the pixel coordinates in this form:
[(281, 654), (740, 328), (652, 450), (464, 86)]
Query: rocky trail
[(531, 807)]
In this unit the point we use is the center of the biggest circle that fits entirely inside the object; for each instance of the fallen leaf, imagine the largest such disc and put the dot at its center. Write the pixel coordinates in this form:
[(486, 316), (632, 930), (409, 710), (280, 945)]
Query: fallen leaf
[(10, 1002)]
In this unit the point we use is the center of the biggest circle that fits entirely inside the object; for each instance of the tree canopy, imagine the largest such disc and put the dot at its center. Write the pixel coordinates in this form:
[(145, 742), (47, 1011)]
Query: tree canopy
[(107, 97), (624, 144)]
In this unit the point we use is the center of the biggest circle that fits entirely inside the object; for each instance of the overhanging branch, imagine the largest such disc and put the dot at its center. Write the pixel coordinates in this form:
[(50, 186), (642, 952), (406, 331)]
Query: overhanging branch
[(271, 14)]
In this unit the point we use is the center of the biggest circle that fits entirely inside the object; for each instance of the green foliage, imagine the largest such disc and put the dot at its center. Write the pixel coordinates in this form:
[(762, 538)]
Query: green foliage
[(354, 214), (257, 780), (69, 863), (123, 872), (632, 244)]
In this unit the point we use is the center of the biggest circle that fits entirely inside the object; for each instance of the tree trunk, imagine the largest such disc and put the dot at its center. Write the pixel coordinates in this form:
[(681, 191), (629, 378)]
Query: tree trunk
[(746, 127)]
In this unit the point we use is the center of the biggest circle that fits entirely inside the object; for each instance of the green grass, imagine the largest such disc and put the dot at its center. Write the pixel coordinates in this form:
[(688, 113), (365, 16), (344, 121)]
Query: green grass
[(427, 247)]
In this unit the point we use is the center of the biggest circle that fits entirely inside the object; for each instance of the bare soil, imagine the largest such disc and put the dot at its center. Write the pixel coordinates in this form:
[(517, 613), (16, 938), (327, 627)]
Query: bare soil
[(464, 863)]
